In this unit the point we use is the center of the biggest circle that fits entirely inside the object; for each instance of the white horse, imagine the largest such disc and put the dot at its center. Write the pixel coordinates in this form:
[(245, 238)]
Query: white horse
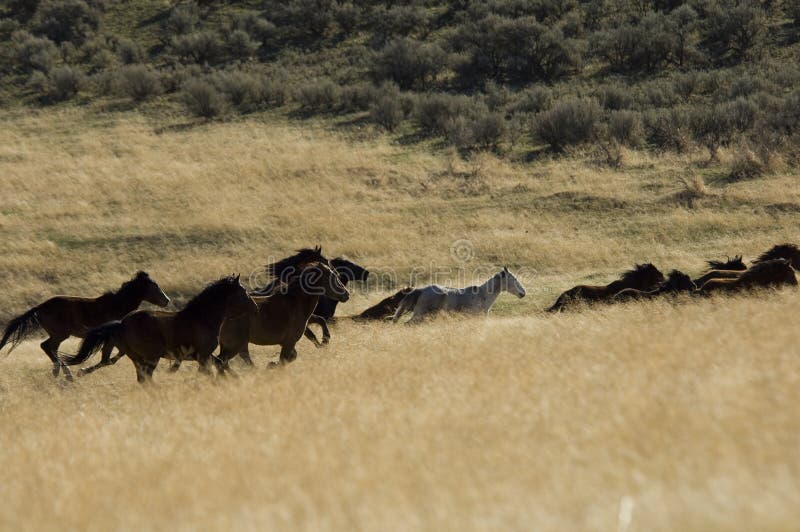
[(472, 299)]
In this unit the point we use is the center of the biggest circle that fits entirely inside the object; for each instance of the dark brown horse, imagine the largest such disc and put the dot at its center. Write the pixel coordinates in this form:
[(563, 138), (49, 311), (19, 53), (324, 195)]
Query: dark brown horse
[(189, 334), (641, 277), (384, 309), (789, 252), (764, 274), (284, 270), (65, 316), (676, 282), (727, 269), (282, 317)]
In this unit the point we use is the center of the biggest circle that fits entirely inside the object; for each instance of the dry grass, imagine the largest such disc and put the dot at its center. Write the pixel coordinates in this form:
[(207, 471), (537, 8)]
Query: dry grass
[(670, 417)]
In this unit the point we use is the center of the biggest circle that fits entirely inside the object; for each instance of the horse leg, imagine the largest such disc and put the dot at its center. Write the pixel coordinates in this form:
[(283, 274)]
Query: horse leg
[(50, 347), (245, 354), (288, 354), (308, 333), (175, 366), (323, 323), (105, 360)]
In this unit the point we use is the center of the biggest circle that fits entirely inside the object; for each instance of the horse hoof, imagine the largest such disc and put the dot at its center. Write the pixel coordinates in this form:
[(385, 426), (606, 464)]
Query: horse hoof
[(69, 377), (56, 371), (325, 341)]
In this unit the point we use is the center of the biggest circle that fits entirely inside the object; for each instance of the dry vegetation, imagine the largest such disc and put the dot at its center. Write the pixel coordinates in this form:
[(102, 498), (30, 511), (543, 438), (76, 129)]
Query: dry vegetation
[(639, 417)]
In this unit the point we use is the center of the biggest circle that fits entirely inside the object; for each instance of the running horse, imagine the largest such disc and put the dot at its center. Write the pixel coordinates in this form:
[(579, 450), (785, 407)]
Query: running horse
[(148, 336), (772, 273), (64, 316), (676, 282), (642, 277), (281, 318)]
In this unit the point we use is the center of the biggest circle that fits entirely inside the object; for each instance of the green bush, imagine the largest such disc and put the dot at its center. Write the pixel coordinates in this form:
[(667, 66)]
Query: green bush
[(139, 82), (60, 84), (432, 112), (241, 90), (409, 63), (533, 100), (65, 20), (387, 111), (626, 127), (31, 53), (183, 18), (129, 52), (569, 122), (667, 129), (240, 45), (318, 96), (202, 99), (197, 47)]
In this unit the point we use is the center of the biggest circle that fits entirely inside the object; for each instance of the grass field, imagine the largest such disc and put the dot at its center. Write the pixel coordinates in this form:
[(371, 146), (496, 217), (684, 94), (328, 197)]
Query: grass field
[(652, 416)]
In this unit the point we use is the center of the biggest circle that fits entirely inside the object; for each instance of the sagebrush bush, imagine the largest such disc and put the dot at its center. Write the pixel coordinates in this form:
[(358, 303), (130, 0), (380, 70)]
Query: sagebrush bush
[(183, 18), (745, 165), (65, 20), (387, 111), (240, 45), (626, 127), (203, 99), (615, 96), (358, 97), (129, 51), (318, 96), (409, 63), (667, 129), (139, 82), (33, 53), (198, 47), (481, 129), (432, 112), (533, 100), (241, 90), (569, 122), (61, 84)]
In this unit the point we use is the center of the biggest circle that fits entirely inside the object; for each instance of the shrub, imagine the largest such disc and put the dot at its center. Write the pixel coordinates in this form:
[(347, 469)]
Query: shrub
[(240, 45), (347, 16), (273, 91), (139, 82), (745, 165), (61, 84), (359, 97), (711, 127), (432, 112), (667, 129), (203, 99), (198, 47), (483, 130), (129, 52), (399, 20), (257, 27), (65, 20), (534, 100), (33, 53), (318, 96), (734, 32), (686, 84), (571, 121), (183, 19), (387, 111), (409, 63), (632, 47), (615, 96), (625, 127), (241, 90)]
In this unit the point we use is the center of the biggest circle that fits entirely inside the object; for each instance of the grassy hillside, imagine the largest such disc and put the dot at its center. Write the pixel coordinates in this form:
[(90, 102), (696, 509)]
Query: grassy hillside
[(656, 416)]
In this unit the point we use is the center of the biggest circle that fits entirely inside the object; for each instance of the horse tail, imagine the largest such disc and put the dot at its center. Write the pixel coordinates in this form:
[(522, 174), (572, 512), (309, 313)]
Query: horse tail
[(94, 340), (21, 327), (407, 304)]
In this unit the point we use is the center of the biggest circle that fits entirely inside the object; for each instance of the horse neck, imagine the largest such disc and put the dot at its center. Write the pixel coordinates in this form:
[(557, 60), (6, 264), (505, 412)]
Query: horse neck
[(490, 290), (209, 314), (125, 300)]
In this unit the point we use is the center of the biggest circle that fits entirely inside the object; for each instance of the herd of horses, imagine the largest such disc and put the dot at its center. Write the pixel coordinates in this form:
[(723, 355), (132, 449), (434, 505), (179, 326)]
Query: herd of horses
[(305, 289)]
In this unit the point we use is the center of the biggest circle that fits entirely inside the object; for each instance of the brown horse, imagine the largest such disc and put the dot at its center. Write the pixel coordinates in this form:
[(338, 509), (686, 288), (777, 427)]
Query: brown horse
[(282, 317), (790, 252), (641, 277), (676, 282), (384, 309), (189, 334), (717, 269), (764, 274), (65, 316)]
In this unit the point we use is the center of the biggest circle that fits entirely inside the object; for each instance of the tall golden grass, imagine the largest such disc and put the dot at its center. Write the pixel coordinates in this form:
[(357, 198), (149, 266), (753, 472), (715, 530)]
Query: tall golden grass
[(651, 416)]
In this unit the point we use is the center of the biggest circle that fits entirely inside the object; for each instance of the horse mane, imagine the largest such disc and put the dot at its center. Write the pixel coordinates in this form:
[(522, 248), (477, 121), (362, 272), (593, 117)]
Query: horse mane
[(736, 263), (134, 283), (764, 270), (637, 271), (302, 256), (674, 279), (209, 295), (781, 251), (348, 270)]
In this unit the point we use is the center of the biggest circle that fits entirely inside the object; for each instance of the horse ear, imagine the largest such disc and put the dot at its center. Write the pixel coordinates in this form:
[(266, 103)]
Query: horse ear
[(238, 276), (505, 269)]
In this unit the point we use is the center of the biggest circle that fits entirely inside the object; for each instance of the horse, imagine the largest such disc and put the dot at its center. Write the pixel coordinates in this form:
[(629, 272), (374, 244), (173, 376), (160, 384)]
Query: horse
[(763, 274), (282, 317), (189, 334), (472, 299), (790, 252), (676, 282), (385, 308), (717, 269), (65, 316), (285, 269), (642, 277)]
